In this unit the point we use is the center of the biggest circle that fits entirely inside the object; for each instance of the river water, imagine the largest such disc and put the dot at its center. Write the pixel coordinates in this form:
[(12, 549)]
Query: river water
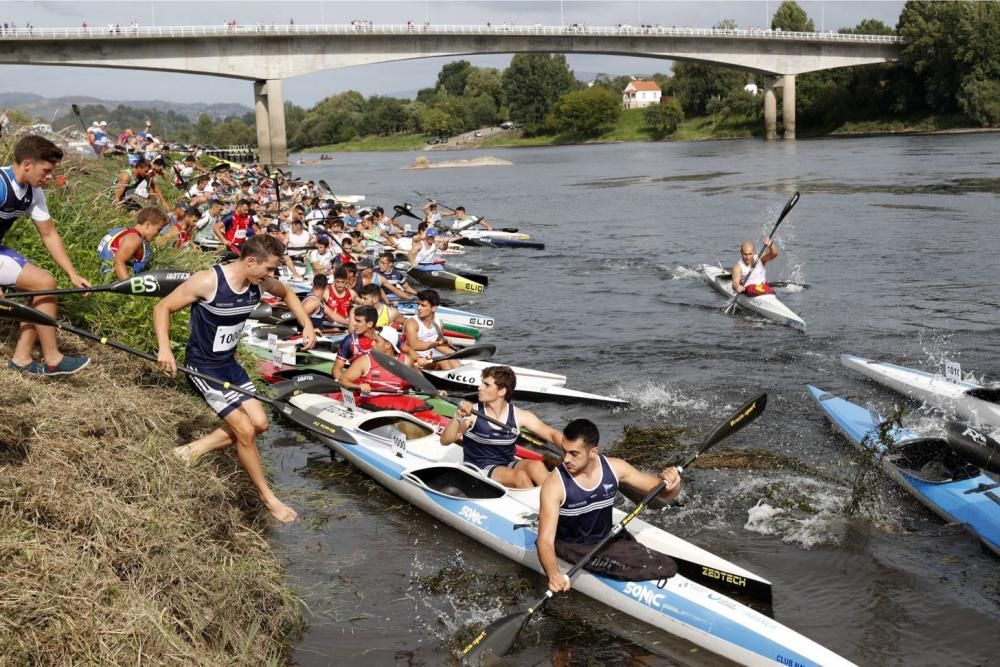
[(892, 245)]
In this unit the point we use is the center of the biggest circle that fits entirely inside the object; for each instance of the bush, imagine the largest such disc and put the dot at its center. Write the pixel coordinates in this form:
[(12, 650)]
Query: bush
[(587, 112), (664, 118)]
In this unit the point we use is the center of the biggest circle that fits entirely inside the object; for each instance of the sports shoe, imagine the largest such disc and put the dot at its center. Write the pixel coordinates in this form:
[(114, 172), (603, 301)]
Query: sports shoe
[(67, 366), (32, 368)]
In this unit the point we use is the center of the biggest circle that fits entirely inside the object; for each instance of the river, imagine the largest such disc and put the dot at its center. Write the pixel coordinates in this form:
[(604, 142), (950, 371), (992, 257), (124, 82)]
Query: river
[(892, 242)]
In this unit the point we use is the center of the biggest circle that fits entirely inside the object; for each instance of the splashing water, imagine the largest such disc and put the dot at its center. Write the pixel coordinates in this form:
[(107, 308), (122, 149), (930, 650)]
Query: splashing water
[(799, 510), (663, 400)]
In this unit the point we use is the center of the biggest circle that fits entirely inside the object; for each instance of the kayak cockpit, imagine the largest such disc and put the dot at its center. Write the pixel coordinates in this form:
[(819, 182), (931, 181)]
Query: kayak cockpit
[(932, 460), (383, 424), (988, 394), (456, 482)]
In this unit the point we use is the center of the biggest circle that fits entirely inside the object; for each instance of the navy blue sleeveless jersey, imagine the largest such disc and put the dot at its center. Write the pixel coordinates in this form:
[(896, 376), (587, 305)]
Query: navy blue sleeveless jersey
[(217, 324), (12, 207), (486, 444), (585, 514)]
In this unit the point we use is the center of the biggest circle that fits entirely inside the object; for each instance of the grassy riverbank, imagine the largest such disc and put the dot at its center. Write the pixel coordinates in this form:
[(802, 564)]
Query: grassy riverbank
[(112, 551), (631, 127)]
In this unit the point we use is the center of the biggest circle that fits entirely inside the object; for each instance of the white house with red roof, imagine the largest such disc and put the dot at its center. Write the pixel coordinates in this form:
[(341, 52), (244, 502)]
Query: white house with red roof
[(638, 94)]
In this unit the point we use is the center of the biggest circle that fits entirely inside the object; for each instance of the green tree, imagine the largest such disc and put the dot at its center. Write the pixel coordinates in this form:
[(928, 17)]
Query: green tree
[(868, 27), (204, 130), (716, 108), (789, 17), (294, 115), (532, 83), (453, 76), (485, 81), (383, 115), (586, 112), (663, 118), (426, 95), (694, 84), (481, 111), (980, 101)]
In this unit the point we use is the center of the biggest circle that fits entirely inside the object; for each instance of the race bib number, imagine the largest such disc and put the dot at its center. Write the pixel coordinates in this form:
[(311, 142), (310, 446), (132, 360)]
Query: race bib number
[(398, 443), (952, 371), (226, 338), (349, 400), (240, 234)]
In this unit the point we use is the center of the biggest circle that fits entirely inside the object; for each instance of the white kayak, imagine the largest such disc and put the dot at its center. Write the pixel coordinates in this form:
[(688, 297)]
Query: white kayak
[(972, 402), (432, 477), (766, 305), (447, 315), (532, 385)]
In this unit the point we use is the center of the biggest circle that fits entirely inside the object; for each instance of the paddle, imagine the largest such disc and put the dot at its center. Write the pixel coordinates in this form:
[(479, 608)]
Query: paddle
[(484, 351), (974, 446), (729, 307), (424, 386), (16, 311), (159, 283), (498, 638), (76, 112), (407, 210), (315, 382)]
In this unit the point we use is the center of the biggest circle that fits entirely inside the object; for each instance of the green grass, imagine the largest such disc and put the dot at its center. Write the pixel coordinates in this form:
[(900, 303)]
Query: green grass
[(930, 123)]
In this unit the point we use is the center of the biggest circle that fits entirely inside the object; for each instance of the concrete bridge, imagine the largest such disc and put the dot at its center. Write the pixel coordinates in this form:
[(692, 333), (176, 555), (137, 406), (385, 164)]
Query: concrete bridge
[(267, 54)]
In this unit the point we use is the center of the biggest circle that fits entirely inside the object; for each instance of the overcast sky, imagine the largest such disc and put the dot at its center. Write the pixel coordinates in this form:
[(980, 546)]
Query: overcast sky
[(390, 78)]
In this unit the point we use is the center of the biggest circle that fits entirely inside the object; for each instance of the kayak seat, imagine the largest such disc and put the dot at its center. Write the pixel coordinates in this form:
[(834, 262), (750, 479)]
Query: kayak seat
[(933, 460), (448, 479), (988, 394)]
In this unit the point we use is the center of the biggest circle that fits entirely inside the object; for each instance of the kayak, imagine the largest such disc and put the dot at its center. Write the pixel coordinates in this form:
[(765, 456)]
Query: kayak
[(449, 315), (976, 403), (499, 239), (928, 468), (766, 305), (439, 278), (433, 478), (532, 385)]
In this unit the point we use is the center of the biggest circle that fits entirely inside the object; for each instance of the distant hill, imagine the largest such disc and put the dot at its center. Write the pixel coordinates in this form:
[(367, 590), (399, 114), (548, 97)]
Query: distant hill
[(47, 107)]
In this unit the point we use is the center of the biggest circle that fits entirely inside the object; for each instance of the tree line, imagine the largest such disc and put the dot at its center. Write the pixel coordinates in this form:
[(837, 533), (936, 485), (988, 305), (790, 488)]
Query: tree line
[(949, 64), (170, 125)]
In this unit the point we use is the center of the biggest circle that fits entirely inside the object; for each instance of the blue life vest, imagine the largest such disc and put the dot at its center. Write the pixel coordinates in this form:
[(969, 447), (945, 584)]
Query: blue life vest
[(217, 324), (12, 207), (585, 514), (109, 245), (486, 444)]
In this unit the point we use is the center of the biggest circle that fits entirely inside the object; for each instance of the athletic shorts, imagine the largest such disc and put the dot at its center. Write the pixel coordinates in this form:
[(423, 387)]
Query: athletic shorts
[(488, 470), (623, 558), (223, 401), (11, 265)]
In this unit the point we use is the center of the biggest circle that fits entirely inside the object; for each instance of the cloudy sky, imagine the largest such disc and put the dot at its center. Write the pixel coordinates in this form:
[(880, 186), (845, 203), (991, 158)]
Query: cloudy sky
[(390, 78)]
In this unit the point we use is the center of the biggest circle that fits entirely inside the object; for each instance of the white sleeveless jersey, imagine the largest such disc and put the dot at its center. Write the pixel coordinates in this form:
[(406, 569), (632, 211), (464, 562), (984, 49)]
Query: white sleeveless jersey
[(757, 276)]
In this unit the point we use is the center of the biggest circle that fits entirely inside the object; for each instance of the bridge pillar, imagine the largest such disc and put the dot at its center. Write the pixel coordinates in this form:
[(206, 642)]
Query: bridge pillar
[(770, 109), (272, 146), (788, 105)]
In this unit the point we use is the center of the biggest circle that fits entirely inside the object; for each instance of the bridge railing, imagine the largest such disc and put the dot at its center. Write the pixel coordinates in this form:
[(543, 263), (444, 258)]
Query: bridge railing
[(363, 28)]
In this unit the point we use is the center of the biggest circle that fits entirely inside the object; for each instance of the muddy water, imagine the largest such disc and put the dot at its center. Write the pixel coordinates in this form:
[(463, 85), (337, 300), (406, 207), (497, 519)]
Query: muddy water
[(893, 248)]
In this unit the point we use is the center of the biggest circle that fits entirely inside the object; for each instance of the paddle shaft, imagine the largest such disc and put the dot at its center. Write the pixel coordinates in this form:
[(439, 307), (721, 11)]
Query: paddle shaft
[(502, 641), (159, 283), (76, 112)]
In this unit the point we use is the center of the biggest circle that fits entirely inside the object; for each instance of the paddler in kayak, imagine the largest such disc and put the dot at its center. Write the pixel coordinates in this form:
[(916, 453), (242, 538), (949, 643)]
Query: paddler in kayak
[(426, 248), (364, 334), (424, 336), (752, 266), (221, 300), (393, 279), (490, 447), (575, 512), (365, 374)]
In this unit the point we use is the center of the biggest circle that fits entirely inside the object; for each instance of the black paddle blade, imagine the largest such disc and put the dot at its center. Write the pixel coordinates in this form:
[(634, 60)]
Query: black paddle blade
[(262, 310), (485, 351), (280, 330), (974, 446), (76, 109), (309, 383), (325, 187), (496, 640), (12, 310), (157, 283), (744, 415), (404, 372)]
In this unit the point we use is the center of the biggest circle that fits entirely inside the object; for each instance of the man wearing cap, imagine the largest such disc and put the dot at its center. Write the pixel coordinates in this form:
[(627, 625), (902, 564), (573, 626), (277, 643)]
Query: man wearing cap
[(426, 247)]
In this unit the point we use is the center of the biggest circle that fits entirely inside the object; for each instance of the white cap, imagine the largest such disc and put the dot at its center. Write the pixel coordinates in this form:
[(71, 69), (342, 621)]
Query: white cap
[(391, 335), (104, 123)]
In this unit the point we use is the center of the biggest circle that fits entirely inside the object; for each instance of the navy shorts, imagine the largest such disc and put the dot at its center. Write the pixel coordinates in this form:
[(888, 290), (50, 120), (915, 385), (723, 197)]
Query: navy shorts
[(220, 399)]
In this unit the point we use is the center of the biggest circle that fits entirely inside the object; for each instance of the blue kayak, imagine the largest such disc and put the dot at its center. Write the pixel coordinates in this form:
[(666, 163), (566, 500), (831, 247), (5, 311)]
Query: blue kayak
[(928, 468)]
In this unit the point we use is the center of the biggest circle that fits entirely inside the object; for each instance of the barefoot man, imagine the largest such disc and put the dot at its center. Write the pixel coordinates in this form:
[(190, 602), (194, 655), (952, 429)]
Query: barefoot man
[(221, 299)]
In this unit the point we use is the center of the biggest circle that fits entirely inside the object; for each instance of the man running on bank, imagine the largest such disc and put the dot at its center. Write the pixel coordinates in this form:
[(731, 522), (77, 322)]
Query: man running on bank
[(221, 300), (575, 512)]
